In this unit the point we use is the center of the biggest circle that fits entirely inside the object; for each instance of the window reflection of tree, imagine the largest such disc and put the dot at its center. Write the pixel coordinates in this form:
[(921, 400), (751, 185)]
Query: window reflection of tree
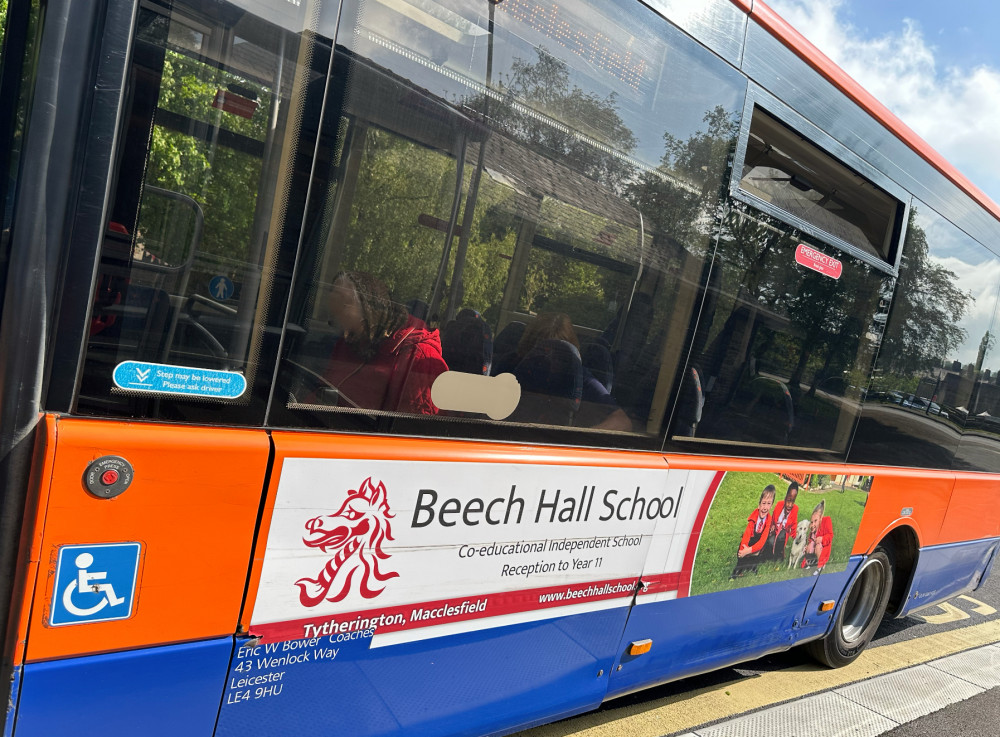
[(532, 96), (925, 325), (680, 203), (781, 334), (920, 399)]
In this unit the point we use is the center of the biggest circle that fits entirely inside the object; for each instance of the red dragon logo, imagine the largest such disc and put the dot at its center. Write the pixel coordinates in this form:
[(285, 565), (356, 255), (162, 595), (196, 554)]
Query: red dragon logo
[(356, 532)]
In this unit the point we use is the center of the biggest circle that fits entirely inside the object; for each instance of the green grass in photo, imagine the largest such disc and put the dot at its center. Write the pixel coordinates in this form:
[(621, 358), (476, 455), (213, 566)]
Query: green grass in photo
[(737, 496)]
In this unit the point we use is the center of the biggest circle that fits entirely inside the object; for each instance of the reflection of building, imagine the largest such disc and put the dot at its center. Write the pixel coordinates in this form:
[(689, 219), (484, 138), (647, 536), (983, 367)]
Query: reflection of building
[(852, 480), (802, 479), (950, 385), (821, 481)]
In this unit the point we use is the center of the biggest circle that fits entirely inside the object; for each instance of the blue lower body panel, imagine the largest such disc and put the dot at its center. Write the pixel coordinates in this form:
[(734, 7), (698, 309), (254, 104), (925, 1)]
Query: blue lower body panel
[(944, 571), (464, 684), (15, 687), (169, 691), (701, 633)]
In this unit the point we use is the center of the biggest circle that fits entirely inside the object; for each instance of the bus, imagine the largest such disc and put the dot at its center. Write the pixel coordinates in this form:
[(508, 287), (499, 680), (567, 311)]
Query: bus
[(449, 367)]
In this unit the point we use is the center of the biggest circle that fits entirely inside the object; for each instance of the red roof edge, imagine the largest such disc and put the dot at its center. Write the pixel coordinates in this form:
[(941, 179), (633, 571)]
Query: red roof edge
[(801, 47)]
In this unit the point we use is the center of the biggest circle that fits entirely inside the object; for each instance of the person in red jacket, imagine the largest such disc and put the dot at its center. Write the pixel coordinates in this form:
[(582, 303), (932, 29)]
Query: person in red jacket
[(755, 534), (820, 542), (386, 358), (784, 518)]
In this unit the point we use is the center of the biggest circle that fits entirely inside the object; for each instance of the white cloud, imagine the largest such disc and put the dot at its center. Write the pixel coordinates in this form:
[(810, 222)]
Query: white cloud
[(955, 109)]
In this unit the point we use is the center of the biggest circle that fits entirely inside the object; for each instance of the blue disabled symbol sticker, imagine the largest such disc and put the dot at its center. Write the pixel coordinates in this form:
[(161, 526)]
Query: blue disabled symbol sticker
[(94, 583)]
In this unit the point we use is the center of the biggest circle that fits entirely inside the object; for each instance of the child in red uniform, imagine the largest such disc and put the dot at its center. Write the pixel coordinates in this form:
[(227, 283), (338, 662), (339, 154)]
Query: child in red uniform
[(755, 534), (386, 358), (784, 518), (820, 539)]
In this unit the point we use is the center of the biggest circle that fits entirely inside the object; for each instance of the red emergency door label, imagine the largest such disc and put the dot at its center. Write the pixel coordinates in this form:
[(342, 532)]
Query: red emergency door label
[(818, 261)]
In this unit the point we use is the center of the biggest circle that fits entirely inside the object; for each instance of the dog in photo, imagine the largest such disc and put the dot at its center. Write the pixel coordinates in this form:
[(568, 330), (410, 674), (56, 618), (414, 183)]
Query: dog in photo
[(798, 547)]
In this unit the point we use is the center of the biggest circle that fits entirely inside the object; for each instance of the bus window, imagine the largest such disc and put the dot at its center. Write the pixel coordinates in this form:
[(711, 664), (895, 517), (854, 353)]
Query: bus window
[(785, 343), (516, 213), (18, 25), (788, 174), (979, 448), (200, 203), (933, 382)]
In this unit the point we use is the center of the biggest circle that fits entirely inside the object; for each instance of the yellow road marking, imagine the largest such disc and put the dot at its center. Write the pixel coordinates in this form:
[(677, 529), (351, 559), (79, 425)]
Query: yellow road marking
[(980, 607), (951, 614), (686, 711)]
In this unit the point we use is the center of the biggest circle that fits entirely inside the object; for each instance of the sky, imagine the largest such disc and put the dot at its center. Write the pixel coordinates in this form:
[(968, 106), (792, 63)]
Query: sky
[(935, 65)]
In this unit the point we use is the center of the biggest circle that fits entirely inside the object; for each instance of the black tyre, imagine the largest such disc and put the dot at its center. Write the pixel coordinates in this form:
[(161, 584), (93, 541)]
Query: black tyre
[(860, 613)]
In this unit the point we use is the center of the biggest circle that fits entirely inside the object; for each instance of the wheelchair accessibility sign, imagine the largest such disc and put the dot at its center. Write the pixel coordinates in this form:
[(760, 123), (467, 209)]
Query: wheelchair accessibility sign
[(94, 583)]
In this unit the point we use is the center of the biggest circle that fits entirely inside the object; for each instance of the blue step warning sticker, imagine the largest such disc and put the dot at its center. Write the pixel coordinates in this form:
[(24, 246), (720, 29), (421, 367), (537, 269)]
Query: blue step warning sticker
[(94, 583), (160, 378)]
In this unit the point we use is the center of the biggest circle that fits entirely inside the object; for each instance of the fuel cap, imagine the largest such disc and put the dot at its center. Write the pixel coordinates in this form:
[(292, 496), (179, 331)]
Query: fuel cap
[(108, 476)]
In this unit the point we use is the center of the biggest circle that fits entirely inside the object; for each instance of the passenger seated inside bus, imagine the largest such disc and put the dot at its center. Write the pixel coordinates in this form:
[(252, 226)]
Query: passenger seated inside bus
[(385, 358), (556, 387), (467, 343), (505, 347)]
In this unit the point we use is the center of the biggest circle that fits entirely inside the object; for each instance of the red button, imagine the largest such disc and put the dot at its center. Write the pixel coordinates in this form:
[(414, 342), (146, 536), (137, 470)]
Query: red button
[(109, 477)]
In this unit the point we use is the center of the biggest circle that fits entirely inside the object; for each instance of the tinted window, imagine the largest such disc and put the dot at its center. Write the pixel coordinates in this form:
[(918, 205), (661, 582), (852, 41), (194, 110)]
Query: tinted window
[(537, 207), (204, 199), (979, 449), (16, 69), (936, 347), (784, 347)]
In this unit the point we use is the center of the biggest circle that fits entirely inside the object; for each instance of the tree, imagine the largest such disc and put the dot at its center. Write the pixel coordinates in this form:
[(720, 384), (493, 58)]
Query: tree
[(985, 346), (3, 20)]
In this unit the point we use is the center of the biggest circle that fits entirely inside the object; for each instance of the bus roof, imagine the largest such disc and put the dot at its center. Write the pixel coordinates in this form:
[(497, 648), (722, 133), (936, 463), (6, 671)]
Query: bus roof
[(805, 50)]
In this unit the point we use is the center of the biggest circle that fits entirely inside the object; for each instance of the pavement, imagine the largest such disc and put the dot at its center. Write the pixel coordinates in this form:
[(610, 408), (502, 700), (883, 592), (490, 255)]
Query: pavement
[(957, 694), (975, 717)]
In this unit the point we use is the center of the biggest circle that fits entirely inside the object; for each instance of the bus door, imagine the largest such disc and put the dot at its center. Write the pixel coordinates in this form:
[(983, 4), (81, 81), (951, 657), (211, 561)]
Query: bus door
[(150, 489), (427, 223), (783, 351)]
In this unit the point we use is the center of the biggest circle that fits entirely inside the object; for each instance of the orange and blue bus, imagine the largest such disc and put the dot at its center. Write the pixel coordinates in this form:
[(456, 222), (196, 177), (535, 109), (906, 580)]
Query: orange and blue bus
[(448, 367)]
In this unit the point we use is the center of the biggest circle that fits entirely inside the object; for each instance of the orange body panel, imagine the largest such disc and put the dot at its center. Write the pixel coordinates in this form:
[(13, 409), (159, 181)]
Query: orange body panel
[(973, 513), (194, 501), (192, 505), (34, 524), (924, 493), (302, 445), (797, 43)]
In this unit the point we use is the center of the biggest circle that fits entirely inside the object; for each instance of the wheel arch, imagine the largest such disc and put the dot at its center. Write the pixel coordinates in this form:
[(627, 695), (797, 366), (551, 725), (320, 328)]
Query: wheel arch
[(902, 544)]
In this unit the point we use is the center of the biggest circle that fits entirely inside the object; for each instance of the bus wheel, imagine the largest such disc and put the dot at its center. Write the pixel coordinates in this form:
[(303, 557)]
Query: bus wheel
[(860, 613)]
